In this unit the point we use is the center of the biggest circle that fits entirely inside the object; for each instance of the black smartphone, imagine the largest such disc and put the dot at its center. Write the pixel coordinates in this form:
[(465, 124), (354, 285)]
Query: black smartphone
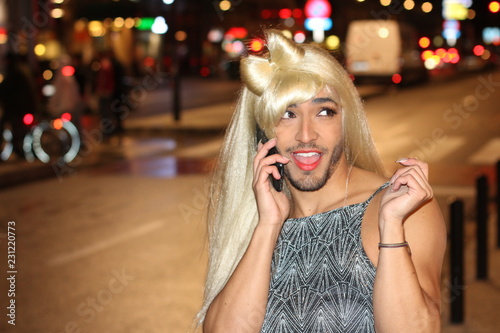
[(277, 183)]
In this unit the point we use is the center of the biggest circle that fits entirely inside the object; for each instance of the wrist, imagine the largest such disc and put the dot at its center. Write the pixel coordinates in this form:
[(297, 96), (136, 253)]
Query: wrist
[(391, 232), (272, 230)]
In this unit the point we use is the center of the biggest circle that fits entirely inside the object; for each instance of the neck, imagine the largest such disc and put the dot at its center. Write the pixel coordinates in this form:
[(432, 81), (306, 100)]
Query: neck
[(330, 196)]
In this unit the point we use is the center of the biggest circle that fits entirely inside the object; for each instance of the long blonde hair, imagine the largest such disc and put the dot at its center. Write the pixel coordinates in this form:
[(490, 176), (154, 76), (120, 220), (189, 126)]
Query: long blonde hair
[(288, 73)]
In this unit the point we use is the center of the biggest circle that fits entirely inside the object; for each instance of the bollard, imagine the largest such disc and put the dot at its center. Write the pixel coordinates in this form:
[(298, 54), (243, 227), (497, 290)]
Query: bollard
[(177, 95), (457, 260), (498, 203), (482, 227)]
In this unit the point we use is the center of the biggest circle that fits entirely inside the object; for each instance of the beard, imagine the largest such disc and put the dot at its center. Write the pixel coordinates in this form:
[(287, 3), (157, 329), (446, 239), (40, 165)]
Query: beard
[(310, 183)]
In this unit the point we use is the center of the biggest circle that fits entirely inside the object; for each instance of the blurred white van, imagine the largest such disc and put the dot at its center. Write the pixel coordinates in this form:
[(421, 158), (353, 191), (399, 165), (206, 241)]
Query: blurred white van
[(383, 51)]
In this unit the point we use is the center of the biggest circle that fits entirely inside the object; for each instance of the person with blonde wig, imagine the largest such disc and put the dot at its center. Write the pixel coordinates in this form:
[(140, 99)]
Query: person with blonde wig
[(331, 251)]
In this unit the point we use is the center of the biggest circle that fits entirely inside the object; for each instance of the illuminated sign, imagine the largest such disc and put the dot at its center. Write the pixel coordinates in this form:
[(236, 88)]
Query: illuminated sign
[(456, 9), (317, 23), (318, 9), (145, 23), (451, 31)]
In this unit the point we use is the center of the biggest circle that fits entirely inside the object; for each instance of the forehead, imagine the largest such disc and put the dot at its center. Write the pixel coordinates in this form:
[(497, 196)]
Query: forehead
[(327, 94)]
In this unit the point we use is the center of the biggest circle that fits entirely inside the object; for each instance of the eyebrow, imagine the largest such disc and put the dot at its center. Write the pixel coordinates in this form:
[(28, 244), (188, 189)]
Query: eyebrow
[(318, 100)]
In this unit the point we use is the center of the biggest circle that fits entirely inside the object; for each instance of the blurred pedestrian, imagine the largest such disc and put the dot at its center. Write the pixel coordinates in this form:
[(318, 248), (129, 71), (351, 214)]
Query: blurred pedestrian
[(327, 249), (110, 87), (67, 97), (105, 89), (19, 96), (118, 92)]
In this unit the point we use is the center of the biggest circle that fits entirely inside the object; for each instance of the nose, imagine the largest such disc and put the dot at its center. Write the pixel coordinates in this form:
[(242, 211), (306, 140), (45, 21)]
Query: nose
[(306, 131)]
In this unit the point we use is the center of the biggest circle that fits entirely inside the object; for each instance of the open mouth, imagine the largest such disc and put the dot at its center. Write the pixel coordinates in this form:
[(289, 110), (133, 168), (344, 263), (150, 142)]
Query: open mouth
[(307, 160)]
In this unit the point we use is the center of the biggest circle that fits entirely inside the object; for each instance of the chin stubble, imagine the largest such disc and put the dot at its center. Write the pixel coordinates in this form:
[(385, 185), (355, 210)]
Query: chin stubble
[(310, 184)]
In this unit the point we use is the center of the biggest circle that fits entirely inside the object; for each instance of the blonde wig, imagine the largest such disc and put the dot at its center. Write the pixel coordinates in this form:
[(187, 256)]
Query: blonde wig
[(288, 73)]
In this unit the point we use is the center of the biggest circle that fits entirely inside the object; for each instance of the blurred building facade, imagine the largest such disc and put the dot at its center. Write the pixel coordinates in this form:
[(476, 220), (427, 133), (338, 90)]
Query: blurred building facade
[(197, 37)]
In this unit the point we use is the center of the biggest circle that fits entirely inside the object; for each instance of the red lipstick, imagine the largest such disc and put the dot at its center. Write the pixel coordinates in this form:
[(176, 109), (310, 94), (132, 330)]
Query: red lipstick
[(307, 160)]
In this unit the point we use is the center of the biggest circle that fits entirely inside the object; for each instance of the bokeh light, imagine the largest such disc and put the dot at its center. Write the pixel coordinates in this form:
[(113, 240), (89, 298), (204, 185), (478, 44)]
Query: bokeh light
[(409, 4), (332, 42), (68, 70), (427, 7), (396, 78), (28, 119), (66, 116), (424, 42), (494, 6), (299, 37), (47, 74), (180, 36), (256, 45), (225, 5), (478, 50), (40, 50), (383, 32), (57, 124), (57, 13)]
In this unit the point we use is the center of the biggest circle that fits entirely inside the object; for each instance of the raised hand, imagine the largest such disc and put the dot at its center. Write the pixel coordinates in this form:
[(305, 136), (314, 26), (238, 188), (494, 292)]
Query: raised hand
[(408, 190), (273, 206)]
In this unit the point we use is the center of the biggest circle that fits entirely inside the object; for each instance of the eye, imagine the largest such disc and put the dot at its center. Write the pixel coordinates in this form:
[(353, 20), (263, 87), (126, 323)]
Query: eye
[(288, 114), (327, 112)]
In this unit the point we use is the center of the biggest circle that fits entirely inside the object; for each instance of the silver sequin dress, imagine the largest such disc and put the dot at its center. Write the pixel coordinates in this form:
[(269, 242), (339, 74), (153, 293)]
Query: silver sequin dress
[(322, 279)]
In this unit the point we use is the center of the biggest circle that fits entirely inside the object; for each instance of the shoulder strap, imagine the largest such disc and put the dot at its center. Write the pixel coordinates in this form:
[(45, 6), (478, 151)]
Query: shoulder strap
[(377, 192)]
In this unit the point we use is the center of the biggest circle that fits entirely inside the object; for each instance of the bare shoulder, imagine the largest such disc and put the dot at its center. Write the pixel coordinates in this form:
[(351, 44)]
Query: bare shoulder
[(363, 184)]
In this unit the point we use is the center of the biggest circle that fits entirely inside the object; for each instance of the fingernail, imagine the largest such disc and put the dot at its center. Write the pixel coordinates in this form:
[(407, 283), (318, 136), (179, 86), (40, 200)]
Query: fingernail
[(401, 160)]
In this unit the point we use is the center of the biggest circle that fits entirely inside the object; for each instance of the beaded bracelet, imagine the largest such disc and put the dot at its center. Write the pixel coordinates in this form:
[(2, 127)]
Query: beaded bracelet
[(394, 245)]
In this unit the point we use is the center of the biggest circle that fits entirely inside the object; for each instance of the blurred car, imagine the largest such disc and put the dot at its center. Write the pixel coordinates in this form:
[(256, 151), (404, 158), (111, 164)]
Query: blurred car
[(383, 51)]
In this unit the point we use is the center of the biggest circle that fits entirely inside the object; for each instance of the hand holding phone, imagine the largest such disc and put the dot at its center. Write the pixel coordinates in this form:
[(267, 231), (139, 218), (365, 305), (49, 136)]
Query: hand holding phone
[(277, 183)]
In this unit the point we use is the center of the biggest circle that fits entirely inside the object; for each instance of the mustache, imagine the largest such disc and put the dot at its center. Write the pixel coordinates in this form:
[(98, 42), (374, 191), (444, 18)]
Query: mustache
[(307, 146)]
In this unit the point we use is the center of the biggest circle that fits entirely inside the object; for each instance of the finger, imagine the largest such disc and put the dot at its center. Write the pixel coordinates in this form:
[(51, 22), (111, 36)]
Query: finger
[(421, 167), (415, 172), (416, 162), (262, 178), (415, 184), (270, 160), (411, 169), (262, 151)]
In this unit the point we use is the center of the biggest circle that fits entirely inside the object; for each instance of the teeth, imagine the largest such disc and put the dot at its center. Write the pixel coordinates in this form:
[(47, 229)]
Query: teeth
[(307, 154)]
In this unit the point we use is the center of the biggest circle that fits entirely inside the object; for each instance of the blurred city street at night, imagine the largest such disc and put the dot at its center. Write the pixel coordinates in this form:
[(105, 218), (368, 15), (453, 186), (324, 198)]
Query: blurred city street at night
[(113, 239)]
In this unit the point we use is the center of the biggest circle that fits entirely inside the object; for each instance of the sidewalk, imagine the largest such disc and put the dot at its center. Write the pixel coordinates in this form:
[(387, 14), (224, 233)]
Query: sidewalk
[(481, 298), (209, 118)]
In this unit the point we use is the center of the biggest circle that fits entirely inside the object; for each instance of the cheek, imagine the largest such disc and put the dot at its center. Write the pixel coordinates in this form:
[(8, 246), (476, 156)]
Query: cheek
[(332, 133), (283, 134), (283, 143)]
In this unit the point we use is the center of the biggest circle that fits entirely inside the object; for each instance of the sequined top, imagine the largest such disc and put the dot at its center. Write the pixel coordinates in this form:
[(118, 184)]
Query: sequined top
[(322, 279)]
